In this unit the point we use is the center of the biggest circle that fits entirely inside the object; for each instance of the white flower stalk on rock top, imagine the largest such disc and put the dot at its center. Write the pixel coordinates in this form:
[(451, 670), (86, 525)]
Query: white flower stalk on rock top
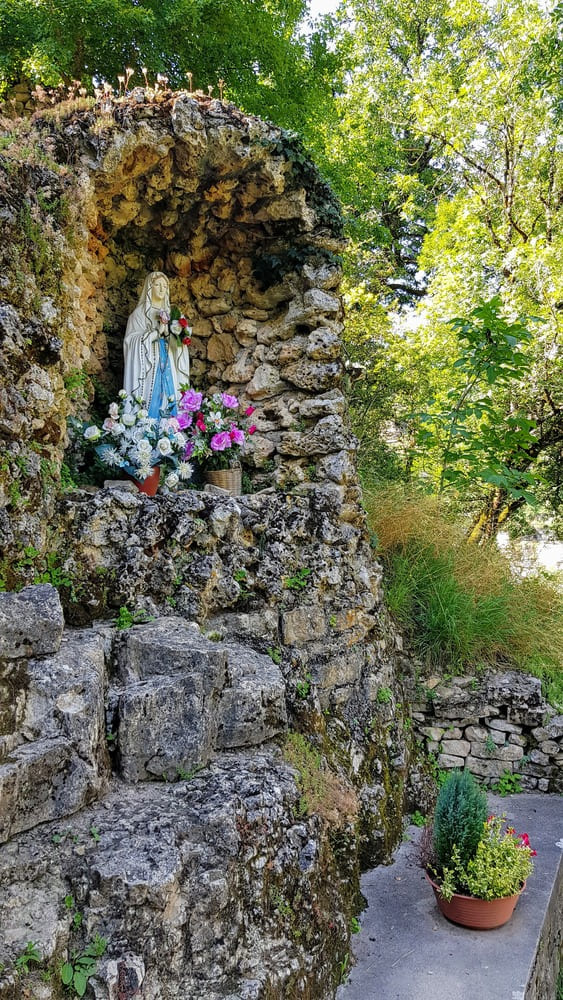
[(131, 440)]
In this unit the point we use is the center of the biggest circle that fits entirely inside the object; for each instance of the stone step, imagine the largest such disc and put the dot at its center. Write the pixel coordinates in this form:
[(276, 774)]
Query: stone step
[(41, 781), (180, 698), (177, 699), (190, 883)]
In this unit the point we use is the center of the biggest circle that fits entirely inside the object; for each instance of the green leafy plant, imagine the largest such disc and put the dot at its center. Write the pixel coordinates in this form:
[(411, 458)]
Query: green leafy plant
[(31, 953), (274, 652), (417, 819), (508, 784), (280, 903), (303, 687), (187, 775), (126, 618), (95, 834), (53, 572), (68, 482), (355, 926), (461, 810), (299, 579), (479, 440), (241, 577), (490, 745), (499, 867), (76, 915), (77, 384), (76, 972), (384, 695)]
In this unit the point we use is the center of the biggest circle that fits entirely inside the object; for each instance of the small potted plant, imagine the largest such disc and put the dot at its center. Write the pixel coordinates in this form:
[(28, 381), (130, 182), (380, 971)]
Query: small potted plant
[(477, 865), (139, 445), (215, 438)]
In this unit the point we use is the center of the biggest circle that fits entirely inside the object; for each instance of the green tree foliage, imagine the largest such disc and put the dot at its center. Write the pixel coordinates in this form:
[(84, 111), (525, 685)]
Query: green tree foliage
[(456, 106), (254, 45)]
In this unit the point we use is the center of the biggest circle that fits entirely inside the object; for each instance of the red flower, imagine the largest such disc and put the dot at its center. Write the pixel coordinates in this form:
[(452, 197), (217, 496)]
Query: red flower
[(249, 411), (183, 322), (252, 430), (186, 340), (200, 425)]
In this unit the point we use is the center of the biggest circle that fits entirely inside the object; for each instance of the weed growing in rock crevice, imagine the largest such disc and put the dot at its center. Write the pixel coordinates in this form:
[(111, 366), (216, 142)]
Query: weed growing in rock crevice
[(322, 792)]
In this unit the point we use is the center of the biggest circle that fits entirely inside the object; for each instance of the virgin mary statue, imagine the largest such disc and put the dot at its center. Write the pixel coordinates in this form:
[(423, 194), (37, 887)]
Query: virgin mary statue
[(156, 363)]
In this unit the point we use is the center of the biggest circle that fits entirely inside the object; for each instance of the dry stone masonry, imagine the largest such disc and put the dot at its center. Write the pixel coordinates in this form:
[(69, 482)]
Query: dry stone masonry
[(500, 725)]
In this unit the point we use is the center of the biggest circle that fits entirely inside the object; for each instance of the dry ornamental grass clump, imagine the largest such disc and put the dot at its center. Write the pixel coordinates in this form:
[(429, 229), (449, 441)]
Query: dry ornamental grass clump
[(461, 603)]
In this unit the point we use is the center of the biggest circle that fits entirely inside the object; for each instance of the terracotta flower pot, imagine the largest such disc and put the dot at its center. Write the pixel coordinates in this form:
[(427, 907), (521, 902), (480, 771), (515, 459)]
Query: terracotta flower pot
[(149, 485), (228, 479), (481, 914)]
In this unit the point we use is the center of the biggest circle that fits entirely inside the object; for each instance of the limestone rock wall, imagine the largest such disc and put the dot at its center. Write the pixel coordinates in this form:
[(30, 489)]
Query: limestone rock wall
[(143, 788), (145, 771), (288, 572), (496, 726)]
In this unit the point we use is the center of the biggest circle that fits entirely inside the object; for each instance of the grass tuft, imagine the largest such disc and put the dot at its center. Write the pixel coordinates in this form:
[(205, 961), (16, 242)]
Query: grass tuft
[(461, 605)]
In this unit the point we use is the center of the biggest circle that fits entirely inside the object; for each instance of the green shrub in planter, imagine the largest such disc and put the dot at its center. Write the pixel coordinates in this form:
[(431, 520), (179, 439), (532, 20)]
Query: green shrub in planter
[(461, 811)]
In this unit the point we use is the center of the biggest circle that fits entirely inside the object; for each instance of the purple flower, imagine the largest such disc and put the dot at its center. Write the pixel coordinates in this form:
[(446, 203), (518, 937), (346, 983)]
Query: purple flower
[(236, 435), (185, 420), (220, 441), (191, 400), (189, 449), (231, 402)]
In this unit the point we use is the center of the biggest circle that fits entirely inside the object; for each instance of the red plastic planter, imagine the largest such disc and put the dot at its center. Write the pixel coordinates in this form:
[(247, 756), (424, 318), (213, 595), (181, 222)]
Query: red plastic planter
[(481, 914), (149, 485)]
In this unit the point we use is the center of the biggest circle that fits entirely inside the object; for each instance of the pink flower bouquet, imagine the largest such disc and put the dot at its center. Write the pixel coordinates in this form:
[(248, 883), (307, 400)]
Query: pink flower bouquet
[(212, 428)]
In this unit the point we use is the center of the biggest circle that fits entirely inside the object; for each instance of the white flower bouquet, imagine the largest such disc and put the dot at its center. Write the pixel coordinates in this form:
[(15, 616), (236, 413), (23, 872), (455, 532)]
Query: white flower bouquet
[(132, 441)]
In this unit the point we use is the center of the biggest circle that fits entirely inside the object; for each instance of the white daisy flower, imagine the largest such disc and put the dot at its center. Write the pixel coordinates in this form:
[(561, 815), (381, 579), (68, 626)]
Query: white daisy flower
[(185, 470), (111, 457)]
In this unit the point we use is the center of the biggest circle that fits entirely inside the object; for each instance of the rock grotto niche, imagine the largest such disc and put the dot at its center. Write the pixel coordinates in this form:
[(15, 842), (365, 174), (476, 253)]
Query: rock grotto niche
[(246, 232)]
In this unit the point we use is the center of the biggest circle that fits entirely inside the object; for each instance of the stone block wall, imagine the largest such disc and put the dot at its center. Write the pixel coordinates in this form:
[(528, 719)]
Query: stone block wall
[(498, 724)]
